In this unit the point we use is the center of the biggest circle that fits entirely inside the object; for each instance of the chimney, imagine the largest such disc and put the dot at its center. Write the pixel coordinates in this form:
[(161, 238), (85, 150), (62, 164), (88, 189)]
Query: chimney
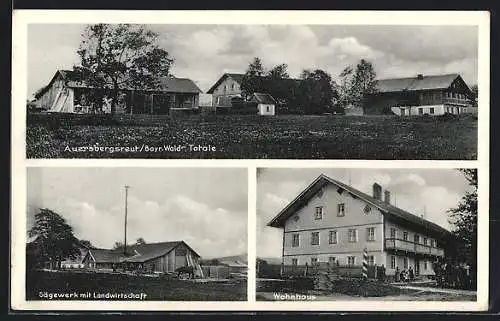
[(377, 191), (387, 197), (420, 76)]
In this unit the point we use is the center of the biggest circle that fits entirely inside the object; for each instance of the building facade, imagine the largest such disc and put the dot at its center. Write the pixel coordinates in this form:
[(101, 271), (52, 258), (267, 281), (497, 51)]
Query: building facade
[(420, 95), (66, 94), (228, 86), (333, 222)]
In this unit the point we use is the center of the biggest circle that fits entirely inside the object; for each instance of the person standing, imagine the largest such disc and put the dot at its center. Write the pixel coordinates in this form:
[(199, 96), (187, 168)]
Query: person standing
[(411, 274), (396, 275)]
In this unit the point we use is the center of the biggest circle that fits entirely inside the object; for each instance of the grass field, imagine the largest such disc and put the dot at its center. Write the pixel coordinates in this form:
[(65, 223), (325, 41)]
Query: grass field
[(41, 283), (249, 136)]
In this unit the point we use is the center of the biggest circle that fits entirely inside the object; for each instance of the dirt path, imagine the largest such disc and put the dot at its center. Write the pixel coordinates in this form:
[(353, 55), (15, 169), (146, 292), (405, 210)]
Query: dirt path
[(439, 290)]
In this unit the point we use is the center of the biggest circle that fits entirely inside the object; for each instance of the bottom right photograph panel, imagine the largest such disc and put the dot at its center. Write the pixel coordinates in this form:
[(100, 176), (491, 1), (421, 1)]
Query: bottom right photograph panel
[(366, 234)]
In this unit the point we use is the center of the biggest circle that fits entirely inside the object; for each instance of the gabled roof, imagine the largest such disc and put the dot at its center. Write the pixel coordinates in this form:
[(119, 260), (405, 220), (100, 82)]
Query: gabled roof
[(417, 83), (261, 98), (141, 253), (167, 85), (387, 209), (236, 77)]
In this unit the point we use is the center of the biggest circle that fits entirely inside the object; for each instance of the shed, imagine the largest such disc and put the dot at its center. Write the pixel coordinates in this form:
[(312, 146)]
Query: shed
[(266, 104)]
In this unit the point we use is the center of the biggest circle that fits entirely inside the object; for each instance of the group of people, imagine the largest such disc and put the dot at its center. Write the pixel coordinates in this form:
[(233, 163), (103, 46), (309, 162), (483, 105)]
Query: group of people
[(405, 275)]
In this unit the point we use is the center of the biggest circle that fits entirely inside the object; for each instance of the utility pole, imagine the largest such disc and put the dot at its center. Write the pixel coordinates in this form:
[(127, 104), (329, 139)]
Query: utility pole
[(126, 205)]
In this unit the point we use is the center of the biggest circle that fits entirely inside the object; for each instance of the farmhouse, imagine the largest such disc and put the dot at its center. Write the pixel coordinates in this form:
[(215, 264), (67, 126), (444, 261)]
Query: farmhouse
[(333, 222), (152, 257), (65, 93), (228, 86), (420, 95)]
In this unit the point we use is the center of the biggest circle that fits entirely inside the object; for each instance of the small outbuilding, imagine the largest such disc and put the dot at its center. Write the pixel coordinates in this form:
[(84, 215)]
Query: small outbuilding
[(266, 104)]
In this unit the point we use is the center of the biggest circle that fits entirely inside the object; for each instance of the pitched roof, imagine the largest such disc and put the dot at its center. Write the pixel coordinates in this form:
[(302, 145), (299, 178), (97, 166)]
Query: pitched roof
[(106, 256), (235, 76), (416, 83), (261, 98), (167, 85), (142, 252), (387, 209)]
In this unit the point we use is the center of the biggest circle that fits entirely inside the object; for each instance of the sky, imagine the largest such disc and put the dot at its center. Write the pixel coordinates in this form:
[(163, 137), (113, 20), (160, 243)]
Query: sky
[(164, 204), (430, 192), (204, 52)]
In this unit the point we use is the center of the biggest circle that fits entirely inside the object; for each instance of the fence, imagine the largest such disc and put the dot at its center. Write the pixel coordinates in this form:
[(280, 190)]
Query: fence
[(216, 271), (281, 270)]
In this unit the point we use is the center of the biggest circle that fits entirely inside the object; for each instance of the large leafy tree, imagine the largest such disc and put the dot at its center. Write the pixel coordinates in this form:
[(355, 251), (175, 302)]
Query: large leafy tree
[(55, 241), (317, 92), (463, 219), (252, 81), (357, 83), (118, 56), (140, 241)]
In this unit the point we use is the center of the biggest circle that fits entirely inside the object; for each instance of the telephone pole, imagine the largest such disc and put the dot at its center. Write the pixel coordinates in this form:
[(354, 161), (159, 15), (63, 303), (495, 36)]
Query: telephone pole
[(126, 205)]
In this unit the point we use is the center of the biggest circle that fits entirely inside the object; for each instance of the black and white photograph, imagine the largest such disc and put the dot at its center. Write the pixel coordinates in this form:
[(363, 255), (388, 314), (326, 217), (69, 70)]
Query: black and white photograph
[(136, 234), (366, 234), (252, 91)]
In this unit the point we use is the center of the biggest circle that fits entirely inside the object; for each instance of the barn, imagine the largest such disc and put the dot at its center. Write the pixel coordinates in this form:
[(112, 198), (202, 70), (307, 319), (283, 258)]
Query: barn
[(421, 95), (65, 93), (161, 257)]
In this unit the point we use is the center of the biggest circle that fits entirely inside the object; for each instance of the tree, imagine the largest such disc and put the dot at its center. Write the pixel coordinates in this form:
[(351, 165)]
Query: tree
[(317, 92), (279, 72), (140, 241), (357, 83), (252, 80), (87, 244), (55, 240), (118, 246), (463, 219), (118, 56), (475, 95)]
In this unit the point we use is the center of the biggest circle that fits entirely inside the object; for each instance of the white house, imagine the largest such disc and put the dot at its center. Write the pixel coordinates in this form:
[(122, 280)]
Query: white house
[(334, 222), (266, 104)]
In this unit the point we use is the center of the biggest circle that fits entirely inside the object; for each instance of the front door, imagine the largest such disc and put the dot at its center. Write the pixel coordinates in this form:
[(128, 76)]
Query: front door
[(417, 267)]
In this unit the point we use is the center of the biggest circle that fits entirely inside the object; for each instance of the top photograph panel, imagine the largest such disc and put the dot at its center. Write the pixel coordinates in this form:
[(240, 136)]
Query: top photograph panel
[(252, 91)]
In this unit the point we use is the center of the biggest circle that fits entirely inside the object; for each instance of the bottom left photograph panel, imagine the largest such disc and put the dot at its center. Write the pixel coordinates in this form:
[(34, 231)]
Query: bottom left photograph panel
[(130, 233)]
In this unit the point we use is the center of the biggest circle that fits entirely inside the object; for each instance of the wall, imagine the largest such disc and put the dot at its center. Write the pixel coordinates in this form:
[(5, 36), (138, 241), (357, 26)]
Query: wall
[(355, 217), (47, 99), (263, 109), (415, 110), (411, 262), (232, 89)]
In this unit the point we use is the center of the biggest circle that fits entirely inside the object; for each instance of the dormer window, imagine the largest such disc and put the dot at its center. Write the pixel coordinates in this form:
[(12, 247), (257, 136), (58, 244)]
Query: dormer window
[(318, 213)]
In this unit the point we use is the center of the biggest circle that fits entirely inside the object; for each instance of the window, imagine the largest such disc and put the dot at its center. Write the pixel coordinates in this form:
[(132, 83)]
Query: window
[(405, 236), (431, 110), (268, 108), (433, 243), (420, 111), (232, 86), (393, 233), (425, 264), (371, 260), (315, 238), (370, 234), (405, 262), (393, 262), (333, 237), (225, 88), (351, 260), (353, 235), (295, 240), (295, 262), (416, 238), (341, 209), (318, 213), (314, 260), (425, 241), (332, 259)]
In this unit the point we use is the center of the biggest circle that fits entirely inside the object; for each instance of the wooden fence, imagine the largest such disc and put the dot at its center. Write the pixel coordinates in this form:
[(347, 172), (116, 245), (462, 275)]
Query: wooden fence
[(281, 270)]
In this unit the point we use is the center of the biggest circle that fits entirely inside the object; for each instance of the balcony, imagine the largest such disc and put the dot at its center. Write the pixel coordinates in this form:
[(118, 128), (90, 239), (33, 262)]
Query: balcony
[(456, 102), (402, 245)]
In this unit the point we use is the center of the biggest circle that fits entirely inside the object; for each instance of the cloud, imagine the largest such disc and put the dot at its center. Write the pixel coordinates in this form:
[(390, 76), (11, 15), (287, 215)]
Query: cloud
[(204, 52)]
